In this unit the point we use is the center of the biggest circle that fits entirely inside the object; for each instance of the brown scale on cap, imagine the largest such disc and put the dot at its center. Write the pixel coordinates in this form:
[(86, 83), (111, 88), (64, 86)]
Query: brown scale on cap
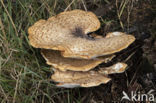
[(68, 31)]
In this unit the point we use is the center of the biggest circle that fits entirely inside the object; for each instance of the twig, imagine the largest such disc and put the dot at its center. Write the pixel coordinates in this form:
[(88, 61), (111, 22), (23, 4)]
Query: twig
[(69, 5), (84, 5), (17, 81), (6, 97)]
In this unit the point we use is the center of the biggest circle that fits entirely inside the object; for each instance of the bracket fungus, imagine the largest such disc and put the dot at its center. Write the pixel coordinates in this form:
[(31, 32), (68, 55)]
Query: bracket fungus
[(67, 32), (55, 59), (67, 46), (86, 79)]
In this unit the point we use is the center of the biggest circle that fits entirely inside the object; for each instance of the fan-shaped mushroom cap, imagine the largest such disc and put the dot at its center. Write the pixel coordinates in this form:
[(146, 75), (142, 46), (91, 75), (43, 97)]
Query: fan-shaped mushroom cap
[(58, 29), (67, 32), (85, 48), (71, 79), (55, 59)]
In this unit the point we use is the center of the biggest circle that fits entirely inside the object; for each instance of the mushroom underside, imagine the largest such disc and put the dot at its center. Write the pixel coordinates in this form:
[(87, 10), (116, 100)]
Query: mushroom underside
[(69, 79), (55, 59)]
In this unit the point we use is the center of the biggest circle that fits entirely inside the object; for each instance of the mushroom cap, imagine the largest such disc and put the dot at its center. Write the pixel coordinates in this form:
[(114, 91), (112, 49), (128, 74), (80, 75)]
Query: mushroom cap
[(84, 48), (51, 33), (116, 68), (68, 31), (55, 59), (70, 79)]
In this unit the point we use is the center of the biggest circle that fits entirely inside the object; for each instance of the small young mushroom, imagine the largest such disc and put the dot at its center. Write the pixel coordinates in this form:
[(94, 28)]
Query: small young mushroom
[(69, 79), (55, 59), (116, 68), (67, 32)]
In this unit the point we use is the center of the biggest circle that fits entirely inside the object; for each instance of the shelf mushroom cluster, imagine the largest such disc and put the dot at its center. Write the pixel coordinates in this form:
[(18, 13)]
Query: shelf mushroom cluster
[(68, 45)]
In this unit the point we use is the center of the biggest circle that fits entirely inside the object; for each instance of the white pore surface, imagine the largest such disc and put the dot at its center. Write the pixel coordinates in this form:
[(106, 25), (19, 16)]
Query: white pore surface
[(69, 85), (116, 33), (118, 66)]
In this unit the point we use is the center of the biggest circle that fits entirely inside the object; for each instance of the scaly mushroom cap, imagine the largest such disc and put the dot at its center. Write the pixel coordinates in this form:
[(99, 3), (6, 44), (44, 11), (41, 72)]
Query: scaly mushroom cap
[(55, 59), (70, 79), (68, 31)]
